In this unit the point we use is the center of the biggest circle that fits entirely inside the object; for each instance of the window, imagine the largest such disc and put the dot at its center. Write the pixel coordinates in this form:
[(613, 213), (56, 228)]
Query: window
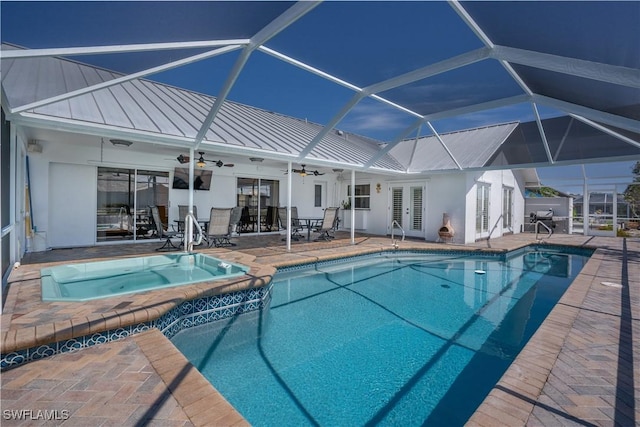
[(482, 208), (362, 196), (318, 196), (507, 208)]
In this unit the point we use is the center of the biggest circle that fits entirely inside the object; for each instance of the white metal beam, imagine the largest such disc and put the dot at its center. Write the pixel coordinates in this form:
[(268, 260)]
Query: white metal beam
[(519, 99), (97, 50), (422, 73), (444, 145), (393, 143), (309, 68), (623, 76), (125, 78), (462, 12), (431, 70), (222, 96), (589, 113), (332, 124), (564, 138), (607, 130), (288, 17), (498, 103), (543, 135)]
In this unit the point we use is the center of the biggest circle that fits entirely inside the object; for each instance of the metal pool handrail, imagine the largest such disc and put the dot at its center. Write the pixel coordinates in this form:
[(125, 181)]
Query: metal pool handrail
[(393, 224), (189, 221), (545, 226)]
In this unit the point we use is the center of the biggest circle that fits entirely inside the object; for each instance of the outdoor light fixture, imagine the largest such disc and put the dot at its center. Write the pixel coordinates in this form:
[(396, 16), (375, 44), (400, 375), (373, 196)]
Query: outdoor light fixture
[(122, 142), (200, 163), (303, 172)]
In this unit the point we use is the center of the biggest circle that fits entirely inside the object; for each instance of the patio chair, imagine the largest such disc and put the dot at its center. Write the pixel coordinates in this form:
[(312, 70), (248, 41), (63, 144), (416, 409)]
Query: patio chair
[(245, 220), (296, 225), (184, 210), (234, 222), (161, 233), (219, 232), (328, 225), (271, 218)]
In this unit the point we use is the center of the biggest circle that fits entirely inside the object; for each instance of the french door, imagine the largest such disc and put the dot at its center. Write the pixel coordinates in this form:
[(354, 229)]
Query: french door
[(407, 206), (482, 210)]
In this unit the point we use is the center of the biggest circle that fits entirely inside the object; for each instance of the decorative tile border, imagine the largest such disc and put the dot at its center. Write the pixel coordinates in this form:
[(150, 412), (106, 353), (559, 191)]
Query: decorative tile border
[(186, 315)]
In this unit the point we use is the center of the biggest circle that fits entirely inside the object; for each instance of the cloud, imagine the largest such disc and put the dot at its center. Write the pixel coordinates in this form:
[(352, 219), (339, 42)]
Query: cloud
[(374, 117)]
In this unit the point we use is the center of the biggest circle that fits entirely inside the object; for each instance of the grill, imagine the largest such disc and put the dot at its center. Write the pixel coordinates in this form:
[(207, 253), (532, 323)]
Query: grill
[(546, 217)]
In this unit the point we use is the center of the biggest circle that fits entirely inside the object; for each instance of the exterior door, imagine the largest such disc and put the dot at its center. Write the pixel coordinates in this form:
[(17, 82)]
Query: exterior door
[(482, 210), (72, 205), (602, 213), (407, 208)]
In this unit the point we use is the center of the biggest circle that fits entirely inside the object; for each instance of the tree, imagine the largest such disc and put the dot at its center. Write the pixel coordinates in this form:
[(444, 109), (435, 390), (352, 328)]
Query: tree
[(632, 193)]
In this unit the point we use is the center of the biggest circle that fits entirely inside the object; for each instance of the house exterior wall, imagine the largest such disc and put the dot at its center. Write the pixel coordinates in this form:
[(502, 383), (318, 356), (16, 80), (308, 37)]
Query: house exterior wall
[(453, 193), (70, 151), (446, 194), (497, 180)]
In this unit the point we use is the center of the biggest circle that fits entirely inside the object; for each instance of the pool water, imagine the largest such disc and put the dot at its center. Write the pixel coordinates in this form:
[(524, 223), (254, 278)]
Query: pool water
[(101, 279), (392, 340)]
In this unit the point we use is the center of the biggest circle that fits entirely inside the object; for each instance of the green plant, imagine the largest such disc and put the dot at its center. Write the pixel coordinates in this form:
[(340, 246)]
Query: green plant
[(622, 233), (346, 204)]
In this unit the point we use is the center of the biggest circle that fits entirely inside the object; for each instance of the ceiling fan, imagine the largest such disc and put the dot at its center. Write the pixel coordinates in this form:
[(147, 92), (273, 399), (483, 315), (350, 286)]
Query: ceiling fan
[(303, 172), (202, 162)]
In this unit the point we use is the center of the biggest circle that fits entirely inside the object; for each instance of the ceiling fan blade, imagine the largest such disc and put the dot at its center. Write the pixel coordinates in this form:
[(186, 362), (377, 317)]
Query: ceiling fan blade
[(229, 165), (183, 159), (316, 173)]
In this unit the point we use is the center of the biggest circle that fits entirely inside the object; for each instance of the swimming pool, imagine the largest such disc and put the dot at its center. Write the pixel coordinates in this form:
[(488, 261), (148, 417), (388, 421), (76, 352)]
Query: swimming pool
[(101, 279), (413, 339)]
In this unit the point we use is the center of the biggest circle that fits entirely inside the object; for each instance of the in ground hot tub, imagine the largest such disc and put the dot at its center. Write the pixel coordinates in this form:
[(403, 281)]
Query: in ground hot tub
[(102, 279)]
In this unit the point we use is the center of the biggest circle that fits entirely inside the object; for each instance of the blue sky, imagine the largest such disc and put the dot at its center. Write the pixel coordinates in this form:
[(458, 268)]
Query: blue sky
[(271, 84), (436, 34)]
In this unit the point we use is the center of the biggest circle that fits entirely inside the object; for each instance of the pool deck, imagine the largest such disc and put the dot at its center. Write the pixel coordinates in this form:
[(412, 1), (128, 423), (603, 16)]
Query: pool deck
[(582, 367)]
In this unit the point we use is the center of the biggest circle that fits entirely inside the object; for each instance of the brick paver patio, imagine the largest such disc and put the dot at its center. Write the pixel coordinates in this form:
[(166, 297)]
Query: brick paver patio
[(582, 367)]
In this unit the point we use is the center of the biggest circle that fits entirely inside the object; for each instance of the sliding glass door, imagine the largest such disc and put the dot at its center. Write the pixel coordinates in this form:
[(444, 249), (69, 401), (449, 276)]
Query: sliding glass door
[(123, 198), (259, 199)]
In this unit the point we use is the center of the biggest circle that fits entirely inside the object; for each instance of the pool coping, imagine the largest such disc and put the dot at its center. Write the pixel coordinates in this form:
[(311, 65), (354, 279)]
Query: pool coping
[(131, 313), (107, 314), (528, 374)]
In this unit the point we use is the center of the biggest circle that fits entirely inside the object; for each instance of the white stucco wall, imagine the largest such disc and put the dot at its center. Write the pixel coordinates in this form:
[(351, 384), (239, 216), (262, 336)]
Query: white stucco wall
[(453, 193), (497, 180)]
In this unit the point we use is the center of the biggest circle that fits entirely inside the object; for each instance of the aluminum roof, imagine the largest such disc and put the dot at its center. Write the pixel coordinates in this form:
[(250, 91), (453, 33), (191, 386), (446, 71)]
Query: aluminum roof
[(456, 60)]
